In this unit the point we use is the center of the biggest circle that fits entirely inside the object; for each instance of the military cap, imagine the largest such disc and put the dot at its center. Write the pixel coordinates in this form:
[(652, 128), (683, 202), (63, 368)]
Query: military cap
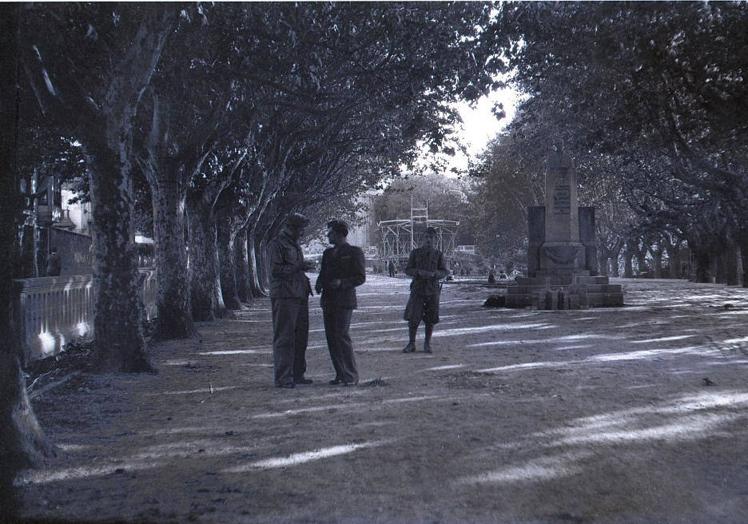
[(297, 220), (431, 231)]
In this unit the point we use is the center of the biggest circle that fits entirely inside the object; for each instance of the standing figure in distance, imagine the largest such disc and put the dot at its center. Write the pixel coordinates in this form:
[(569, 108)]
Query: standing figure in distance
[(391, 268), (426, 266), (54, 264), (289, 294), (343, 268)]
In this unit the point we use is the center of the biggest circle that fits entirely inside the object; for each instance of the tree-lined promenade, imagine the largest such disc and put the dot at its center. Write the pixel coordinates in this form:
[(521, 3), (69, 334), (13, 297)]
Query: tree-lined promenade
[(517, 416), (234, 115), (208, 124)]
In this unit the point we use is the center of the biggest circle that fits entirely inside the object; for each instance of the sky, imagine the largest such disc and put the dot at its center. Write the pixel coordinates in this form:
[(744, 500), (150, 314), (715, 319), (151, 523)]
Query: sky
[(479, 126)]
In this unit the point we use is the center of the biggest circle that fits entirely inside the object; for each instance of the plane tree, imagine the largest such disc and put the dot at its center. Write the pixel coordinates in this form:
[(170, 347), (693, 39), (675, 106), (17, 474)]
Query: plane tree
[(22, 442), (88, 66), (646, 83)]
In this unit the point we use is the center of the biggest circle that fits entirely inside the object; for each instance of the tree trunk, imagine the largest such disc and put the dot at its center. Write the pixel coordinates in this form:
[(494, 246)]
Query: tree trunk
[(743, 245), (205, 292), (174, 309), (119, 341), (719, 264), (226, 265), (107, 137), (703, 265), (730, 258), (657, 261), (253, 267), (673, 259), (740, 267), (241, 260), (22, 442), (628, 263), (604, 264), (263, 265), (614, 261)]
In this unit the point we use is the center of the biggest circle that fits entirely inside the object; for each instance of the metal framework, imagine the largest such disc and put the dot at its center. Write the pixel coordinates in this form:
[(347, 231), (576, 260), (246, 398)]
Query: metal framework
[(401, 235)]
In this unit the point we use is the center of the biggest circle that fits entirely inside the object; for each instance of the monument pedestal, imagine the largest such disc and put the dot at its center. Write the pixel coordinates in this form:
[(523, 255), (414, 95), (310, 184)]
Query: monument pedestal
[(576, 290), (561, 258)]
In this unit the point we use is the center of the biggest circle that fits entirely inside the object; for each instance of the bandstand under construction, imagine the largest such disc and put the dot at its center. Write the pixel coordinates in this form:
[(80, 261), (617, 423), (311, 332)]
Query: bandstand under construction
[(401, 235)]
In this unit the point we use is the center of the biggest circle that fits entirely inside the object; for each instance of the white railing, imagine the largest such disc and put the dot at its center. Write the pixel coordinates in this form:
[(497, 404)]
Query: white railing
[(52, 311)]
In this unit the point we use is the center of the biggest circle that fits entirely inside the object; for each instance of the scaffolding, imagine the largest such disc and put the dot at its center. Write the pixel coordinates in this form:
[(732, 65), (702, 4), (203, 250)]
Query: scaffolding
[(401, 235)]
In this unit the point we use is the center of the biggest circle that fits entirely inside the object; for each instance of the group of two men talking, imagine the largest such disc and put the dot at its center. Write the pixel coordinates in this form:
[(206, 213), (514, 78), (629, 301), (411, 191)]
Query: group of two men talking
[(343, 269)]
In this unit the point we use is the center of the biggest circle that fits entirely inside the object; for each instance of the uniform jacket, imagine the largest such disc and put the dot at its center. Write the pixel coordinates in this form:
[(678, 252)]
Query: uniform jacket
[(287, 278), (346, 263), (425, 259)]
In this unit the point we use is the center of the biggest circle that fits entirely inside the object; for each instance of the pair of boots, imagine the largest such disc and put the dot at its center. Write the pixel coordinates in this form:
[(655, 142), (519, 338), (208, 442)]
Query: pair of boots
[(411, 347)]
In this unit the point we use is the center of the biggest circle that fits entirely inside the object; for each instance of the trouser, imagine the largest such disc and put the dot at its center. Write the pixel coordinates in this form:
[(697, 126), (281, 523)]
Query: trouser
[(290, 336), (337, 323)]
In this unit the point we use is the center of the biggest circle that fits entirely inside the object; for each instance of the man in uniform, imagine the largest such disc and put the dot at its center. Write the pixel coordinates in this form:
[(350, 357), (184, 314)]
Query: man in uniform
[(289, 294), (343, 268), (426, 267)]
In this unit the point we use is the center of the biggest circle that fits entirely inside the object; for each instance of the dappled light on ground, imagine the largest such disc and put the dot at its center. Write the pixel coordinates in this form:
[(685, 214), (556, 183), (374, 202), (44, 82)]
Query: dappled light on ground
[(611, 357), (302, 458), (82, 472), (681, 419), (442, 368), (237, 352), (661, 339), (495, 327), (544, 468), (515, 416), (209, 389)]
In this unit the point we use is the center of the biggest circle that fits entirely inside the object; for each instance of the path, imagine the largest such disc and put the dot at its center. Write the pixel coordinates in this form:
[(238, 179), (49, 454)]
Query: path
[(518, 416)]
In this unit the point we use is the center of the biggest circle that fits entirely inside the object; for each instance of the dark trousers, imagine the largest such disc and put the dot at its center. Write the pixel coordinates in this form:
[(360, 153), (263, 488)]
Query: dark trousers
[(337, 323), (290, 336)]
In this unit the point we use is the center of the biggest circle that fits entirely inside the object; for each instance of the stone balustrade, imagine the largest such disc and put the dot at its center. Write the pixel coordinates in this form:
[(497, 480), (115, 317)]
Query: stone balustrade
[(52, 311)]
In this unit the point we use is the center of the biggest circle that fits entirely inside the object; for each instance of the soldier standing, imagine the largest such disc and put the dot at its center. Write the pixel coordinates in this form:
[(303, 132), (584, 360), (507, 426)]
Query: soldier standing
[(426, 266), (343, 268), (289, 294)]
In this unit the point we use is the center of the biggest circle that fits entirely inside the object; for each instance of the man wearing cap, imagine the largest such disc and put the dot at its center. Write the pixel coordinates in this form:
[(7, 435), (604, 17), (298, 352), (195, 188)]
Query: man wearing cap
[(343, 268), (426, 267), (289, 294)]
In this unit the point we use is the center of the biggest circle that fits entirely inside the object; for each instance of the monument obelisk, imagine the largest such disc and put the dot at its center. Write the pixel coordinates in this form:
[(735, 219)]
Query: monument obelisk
[(561, 254)]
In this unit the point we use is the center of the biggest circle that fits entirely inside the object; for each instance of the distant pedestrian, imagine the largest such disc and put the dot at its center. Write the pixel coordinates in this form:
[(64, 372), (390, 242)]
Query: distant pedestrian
[(426, 266), (391, 268), (289, 294), (491, 276), (54, 264), (343, 269)]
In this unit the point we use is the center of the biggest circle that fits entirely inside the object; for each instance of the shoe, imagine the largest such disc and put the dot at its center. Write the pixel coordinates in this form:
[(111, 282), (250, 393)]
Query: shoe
[(286, 386), (410, 348), (303, 380), (335, 381), (346, 384), (427, 348)]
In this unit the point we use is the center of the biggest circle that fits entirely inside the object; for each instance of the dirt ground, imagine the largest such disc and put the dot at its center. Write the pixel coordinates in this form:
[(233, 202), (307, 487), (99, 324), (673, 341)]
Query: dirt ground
[(633, 414)]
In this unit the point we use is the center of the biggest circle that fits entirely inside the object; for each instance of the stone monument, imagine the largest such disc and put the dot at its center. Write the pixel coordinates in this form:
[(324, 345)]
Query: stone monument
[(561, 258)]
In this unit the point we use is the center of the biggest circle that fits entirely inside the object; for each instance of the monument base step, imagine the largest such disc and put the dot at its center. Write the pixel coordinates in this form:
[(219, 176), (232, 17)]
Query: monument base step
[(575, 291), (572, 301)]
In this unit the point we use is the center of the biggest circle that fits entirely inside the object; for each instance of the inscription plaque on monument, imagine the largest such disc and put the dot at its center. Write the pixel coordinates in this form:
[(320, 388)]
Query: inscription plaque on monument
[(562, 224), (562, 193)]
